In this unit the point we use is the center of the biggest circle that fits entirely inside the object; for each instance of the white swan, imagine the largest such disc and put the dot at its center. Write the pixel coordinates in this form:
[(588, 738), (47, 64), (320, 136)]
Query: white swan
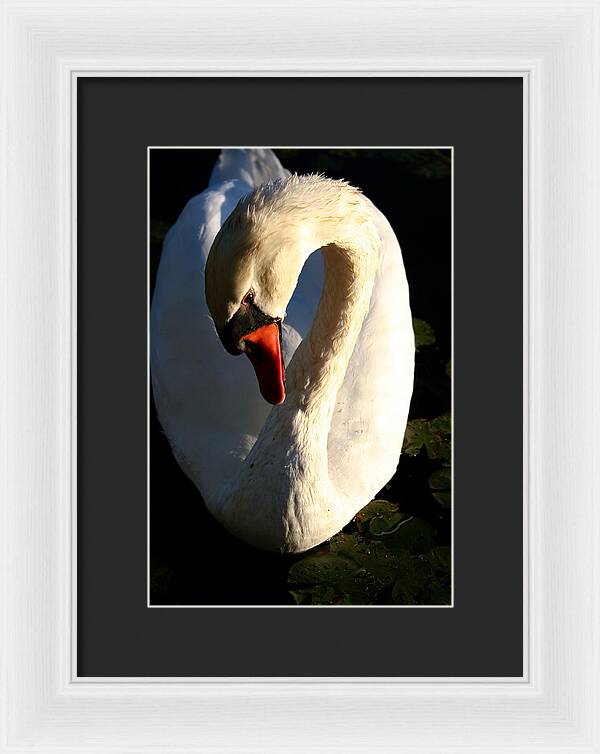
[(289, 476)]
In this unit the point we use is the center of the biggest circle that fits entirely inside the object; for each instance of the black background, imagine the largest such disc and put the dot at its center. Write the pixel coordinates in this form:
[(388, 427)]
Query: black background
[(117, 634), (193, 559)]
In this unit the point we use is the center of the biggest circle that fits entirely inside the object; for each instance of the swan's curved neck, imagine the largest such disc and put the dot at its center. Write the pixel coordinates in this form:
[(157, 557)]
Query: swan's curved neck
[(346, 234), (317, 370), (291, 449)]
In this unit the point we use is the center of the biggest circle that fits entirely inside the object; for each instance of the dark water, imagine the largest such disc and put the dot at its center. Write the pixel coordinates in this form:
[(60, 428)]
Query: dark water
[(194, 560)]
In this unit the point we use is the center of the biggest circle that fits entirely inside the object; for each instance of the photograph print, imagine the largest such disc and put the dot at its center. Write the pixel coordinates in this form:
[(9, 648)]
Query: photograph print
[(300, 377)]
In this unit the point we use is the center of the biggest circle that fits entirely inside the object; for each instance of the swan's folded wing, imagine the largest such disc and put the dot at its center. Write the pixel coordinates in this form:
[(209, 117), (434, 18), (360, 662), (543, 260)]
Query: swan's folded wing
[(251, 166), (207, 401)]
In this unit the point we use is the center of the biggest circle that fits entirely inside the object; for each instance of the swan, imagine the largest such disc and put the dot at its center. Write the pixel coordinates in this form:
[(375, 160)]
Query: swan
[(304, 275)]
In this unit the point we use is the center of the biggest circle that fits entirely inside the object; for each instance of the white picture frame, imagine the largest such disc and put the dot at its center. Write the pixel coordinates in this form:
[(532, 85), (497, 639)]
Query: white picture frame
[(554, 46)]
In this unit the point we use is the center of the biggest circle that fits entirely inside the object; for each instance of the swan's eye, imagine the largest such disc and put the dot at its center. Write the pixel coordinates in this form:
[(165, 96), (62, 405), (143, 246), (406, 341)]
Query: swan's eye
[(248, 298)]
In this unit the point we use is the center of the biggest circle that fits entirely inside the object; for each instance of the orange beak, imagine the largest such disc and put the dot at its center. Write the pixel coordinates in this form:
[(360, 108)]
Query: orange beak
[(263, 348)]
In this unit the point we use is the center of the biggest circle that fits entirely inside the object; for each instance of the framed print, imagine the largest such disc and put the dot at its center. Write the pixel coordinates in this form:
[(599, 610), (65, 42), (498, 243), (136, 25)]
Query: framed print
[(133, 616), (398, 552)]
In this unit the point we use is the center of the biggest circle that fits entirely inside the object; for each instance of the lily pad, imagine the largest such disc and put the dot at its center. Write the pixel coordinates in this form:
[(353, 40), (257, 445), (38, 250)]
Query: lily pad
[(441, 425), (372, 557), (413, 576), (440, 479), (443, 498), (433, 435), (440, 559), (383, 526), (375, 508), (379, 517), (440, 483), (352, 572), (415, 535), (415, 435), (316, 594), (422, 580), (424, 334), (436, 594)]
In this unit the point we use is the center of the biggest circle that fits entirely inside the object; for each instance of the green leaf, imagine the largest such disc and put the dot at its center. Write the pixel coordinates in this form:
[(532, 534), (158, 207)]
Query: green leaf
[(414, 436), (343, 542), (449, 369), (440, 479), (440, 559), (436, 593), (424, 334), (319, 594), (382, 526), (352, 572), (394, 557), (441, 424), (413, 576), (443, 498), (375, 508), (414, 535), (378, 518), (424, 579), (438, 590), (372, 557), (440, 483), (432, 435)]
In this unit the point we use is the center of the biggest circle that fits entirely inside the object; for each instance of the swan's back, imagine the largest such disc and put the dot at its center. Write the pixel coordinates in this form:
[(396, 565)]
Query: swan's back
[(250, 166)]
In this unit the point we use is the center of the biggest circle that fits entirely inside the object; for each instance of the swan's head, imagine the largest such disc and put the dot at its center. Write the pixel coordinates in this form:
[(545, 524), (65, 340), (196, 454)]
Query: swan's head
[(251, 273)]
